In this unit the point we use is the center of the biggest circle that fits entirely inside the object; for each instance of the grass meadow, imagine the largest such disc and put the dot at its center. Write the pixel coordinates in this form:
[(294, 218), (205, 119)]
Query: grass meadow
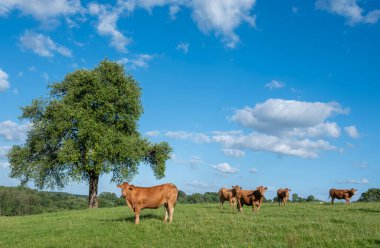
[(200, 225)]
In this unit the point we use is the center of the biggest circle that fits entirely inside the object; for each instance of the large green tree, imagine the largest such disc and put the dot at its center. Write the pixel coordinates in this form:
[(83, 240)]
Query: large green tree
[(88, 126)]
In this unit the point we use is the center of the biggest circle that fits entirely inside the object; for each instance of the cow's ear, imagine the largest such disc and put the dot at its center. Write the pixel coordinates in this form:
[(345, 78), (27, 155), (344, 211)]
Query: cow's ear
[(266, 188), (119, 185), (131, 187), (290, 190)]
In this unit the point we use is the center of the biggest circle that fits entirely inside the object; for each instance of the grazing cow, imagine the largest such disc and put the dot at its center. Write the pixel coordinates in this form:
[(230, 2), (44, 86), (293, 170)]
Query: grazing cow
[(139, 198), (250, 198), (283, 196), (228, 195), (342, 194)]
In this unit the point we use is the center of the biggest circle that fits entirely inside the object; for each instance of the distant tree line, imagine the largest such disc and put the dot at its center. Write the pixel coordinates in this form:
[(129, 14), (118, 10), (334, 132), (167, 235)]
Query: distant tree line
[(25, 201)]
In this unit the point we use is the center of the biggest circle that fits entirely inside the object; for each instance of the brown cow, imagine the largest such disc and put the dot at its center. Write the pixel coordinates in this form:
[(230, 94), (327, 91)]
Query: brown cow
[(250, 198), (139, 198), (228, 195), (283, 196), (342, 194)]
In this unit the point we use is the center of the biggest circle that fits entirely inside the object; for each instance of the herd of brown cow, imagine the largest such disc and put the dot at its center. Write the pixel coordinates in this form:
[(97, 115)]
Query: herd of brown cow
[(138, 198)]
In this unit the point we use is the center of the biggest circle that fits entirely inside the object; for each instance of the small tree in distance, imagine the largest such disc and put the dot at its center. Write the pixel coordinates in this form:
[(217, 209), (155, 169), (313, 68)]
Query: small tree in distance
[(87, 127)]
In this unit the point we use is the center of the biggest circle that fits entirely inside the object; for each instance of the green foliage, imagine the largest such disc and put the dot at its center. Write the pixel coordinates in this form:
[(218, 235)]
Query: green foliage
[(372, 195), (87, 127), (208, 197), (24, 201), (200, 225)]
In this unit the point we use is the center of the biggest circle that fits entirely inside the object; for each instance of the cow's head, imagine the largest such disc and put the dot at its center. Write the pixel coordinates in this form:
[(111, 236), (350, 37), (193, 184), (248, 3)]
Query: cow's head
[(235, 189), (125, 188), (262, 190), (287, 191), (353, 191)]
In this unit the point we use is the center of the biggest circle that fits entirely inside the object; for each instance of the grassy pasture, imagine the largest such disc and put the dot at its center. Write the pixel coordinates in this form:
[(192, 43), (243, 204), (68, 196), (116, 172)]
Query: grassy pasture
[(200, 225)]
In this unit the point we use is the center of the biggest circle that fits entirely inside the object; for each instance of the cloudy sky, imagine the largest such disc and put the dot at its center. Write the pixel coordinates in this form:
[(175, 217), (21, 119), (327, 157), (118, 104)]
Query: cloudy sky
[(247, 92)]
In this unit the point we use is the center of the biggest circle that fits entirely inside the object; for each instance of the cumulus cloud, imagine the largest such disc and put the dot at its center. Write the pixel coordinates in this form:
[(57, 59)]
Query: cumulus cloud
[(4, 83), (274, 84), (223, 17), (42, 9), (275, 115), (220, 17), (136, 62), (225, 168), (304, 148), (183, 135), (234, 153), (12, 131), (352, 131), (42, 45), (350, 10), (106, 26), (184, 47), (282, 127)]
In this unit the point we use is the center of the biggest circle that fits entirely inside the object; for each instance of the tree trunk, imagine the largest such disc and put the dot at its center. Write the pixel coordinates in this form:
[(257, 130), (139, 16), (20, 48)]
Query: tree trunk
[(93, 190)]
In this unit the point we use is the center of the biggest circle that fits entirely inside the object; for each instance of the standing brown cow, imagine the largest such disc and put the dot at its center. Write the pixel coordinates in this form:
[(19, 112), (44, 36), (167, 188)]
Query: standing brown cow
[(139, 198), (342, 194), (228, 195), (250, 198), (283, 196)]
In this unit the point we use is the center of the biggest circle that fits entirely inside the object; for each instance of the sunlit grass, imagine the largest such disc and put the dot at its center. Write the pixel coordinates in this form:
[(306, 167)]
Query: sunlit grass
[(200, 225)]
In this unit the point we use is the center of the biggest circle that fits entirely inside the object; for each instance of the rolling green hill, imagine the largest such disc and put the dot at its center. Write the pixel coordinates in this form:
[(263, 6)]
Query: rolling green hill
[(200, 225)]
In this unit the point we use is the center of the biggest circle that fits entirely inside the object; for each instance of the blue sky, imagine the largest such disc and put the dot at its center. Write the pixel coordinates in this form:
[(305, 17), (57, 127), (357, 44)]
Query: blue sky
[(247, 92)]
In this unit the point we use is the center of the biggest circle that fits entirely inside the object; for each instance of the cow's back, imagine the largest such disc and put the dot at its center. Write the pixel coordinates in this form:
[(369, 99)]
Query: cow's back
[(154, 197)]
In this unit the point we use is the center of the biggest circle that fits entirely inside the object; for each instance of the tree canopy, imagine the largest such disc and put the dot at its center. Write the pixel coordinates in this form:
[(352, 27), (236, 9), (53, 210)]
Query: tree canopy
[(371, 195), (88, 126)]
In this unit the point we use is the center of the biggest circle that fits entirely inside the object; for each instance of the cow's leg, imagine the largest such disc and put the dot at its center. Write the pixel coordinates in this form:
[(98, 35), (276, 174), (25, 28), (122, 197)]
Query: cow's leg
[(221, 203), (171, 211), (332, 200), (347, 201), (166, 213), (137, 214)]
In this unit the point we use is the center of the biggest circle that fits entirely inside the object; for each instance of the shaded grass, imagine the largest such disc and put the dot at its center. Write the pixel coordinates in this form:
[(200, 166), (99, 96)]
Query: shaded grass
[(200, 225)]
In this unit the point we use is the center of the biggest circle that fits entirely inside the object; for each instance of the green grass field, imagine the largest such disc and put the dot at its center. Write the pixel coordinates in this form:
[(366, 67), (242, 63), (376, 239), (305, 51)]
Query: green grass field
[(200, 225)]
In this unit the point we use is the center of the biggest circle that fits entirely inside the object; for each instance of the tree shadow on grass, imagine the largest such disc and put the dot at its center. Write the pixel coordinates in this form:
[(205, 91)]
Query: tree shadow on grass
[(132, 218)]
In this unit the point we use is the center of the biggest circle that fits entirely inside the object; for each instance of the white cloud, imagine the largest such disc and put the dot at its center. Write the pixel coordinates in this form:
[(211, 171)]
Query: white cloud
[(42, 45), (184, 47), (198, 185), (350, 10), (41, 9), (45, 76), (304, 148), (276, 115), (31, 68), (234, 153), (352, 131), (274, 84), (12, 131), (225, 168), (193, 161), (328, 129), (4, 83), (223, 17), (136, 62), (353, 181), (4, 151), (152, 133), (106, 26), (253, 170), (195, 137)]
